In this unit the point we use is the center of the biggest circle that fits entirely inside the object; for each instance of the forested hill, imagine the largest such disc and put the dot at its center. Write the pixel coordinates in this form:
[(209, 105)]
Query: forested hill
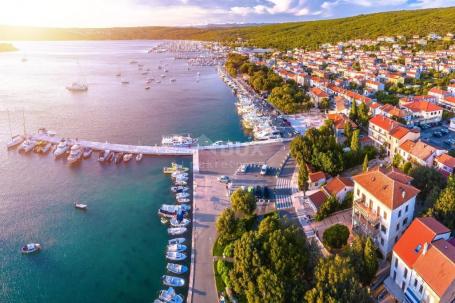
[(284, 36)]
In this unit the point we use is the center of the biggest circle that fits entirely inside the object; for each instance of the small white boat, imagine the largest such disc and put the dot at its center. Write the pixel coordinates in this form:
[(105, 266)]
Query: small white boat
[(176, 248), (173, 281), (139, 157), (178, 174), (176, 268), (80, 206), (170, 296), (61, 149), (87, 153), (127, 157), (15, 141), (183, 200), (27, 146), (176, 230), (176, 223), (182, 195), (179, 189), (31, 248), (147, 87), (75, 154), (104, 155), (181, 183), (175, 256), (77, 87), (176, 241)]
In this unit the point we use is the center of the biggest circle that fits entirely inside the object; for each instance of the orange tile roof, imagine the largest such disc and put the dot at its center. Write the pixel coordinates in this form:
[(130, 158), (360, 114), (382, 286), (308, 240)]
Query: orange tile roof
[(318, 198), (447, 160), (437, 266), (449, 99), (384, 122), (337, 184), (422, 106), (438, 91), (419, 149), (316, 176), (318, 92), (339, 120), (399, 132), (421, 231), (386, 187)]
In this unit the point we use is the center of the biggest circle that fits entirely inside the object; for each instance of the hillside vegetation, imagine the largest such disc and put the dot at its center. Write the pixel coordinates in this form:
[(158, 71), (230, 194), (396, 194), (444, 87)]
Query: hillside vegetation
[(282, 36)]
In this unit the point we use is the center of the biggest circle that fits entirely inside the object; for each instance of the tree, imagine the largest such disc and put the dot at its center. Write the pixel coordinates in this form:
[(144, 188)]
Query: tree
[(407, 167), (363, 116), (336, 236), (336, 282), (348, 131), (397, 160), (353, 113), (428, 180), (243, 201), (270, 288), (226, 226), (355, 144), (370, 259), (329, 206), (303, 177), (444, 208), (365, 164)]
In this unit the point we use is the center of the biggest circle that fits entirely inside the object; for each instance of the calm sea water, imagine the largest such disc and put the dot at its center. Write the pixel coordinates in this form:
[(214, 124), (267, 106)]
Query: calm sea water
[(115, 251)]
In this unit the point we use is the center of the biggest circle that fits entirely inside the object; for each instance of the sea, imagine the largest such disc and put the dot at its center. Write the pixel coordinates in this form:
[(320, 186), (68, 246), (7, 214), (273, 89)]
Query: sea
[(113, 252)]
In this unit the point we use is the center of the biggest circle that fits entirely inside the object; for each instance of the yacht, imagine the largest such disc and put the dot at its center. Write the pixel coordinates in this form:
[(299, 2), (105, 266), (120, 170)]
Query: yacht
[(127, 157), (15, 141), (176, 268), (175, 256), (178, 140), (176, 248), (61, 149), (75, 154), (139, 157), (27, 146), (173, 281), (77, 87), (31, 248)]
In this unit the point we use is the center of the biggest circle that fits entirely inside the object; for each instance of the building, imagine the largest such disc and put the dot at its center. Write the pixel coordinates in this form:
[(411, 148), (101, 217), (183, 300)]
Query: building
[(338, 187), (445, 164), (316, 180), (419, 152), (438, 93), (317, 95), (383, 205), (423, 264), (424, 112), (339, 121)]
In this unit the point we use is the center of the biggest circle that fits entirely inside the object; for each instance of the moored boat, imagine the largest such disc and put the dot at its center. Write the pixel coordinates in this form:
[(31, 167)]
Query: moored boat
[(61, 149), (176, 230), (139, 157), (176, 248), (176, 268), (127, 157), (170, 296), (179, 223), (182, 195), (27, 146), (87, 152), (176, 241), (173, 281), (15, 141), (75, 154), (30, 248), (183, 200), (179, 189), (175, 256)]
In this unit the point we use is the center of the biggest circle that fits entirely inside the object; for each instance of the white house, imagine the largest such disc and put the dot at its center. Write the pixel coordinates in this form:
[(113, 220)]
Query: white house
[(383, 205), (424, 112)]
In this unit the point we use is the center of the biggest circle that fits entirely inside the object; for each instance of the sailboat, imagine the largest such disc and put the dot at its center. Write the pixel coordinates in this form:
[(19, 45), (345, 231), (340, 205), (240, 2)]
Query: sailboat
[(78, 86), (15, 140)]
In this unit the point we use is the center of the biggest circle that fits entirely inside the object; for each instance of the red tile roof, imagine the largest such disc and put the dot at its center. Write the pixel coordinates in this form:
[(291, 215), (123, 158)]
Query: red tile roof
[(419, 149), (384, 122), (318, 198), (399, 132), (337, 184), (316, 91), (422, 106), (446, 159), (316, 176)]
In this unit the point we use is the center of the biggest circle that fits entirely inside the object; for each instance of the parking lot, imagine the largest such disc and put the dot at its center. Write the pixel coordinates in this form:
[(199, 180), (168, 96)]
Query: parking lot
[(446, 141)]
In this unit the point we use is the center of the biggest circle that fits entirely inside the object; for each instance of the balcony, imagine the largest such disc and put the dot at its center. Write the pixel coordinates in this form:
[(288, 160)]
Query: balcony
[(364, 220)]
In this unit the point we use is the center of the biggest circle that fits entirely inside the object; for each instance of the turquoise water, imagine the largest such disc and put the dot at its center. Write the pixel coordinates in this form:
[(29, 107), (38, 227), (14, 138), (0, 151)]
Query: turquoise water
[(115, 251)]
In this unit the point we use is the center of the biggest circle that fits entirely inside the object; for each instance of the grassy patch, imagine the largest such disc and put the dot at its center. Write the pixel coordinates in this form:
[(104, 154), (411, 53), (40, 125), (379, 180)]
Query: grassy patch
[(220, 286), (217, 249)]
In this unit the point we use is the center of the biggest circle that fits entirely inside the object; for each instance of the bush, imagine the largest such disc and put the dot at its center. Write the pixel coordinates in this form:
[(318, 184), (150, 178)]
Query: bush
[(336, 236), (229, 250)]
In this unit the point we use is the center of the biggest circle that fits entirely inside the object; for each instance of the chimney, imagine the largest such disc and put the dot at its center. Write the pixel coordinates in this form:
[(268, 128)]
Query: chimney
[(425, 248)]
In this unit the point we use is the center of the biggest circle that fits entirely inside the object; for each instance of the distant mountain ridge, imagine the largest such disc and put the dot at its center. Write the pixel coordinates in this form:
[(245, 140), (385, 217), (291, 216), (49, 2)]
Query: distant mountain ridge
[(308, 34)]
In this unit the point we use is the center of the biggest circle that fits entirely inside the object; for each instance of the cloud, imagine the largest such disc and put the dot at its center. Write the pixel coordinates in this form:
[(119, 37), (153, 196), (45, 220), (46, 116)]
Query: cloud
[(274, 7)]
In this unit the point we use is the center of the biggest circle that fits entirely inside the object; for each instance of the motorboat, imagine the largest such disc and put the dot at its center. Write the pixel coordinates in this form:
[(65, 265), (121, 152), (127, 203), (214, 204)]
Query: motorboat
[(15, 141), (118, 158), (173, 281), (176, 268), (81, 206), (46, 148), (181, 183), (179, 174), (175, 256), (30, 248), (176, 247), (61, 149), (175, 168), (182, 195), (77, 87), (139, 157), (179, 189), (164, 220), (27, 146), (179, 223), (176, 230), (176, 241), (75, 154), (183, 200), (178, 140), (171, 211), (170, 296), (110, 157), (127, 157), (103, 155), (147, 87), (87, 152)]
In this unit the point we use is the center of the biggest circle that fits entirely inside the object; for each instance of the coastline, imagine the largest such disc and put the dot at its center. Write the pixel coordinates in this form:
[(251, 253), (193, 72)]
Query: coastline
[(7, 47)]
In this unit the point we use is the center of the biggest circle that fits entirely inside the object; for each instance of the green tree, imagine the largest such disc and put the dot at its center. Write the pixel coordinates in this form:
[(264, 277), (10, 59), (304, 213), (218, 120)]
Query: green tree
[(397, 160), (355, 144), (365, 164), (270, 288), (336, 282), (370, 259), (226, 226), (407, 167), (363, 116), (427, 180), (348, 131), (303, 177), (353, 113), (329, 206), (243, 201), (444, 208), (336, 236)]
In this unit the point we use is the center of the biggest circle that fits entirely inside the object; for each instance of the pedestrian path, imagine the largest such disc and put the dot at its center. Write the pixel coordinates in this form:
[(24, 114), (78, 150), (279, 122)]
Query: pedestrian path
[(283, 199)]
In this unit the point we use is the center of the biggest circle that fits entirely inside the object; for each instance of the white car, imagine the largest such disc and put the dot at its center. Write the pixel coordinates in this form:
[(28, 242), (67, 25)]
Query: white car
[(223, 179), (264, 170)]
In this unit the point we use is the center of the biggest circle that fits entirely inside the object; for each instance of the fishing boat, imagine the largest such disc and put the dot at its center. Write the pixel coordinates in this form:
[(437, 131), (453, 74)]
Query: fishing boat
[(27, 146), (118, 158), (75, 154), (183, 200), (46, 148), (77, 87), (179, 189), (173, 281), (175, 256), (103, 155), (176, 241), (176, 248), (61, 149), (15, 141), (30, 248), (176, 268), (182, 195), (175, 168), (87, 152), (81, 206), (179, 223), (164, 220), (170, 296), (127, 157), (139, 157), (176, 230)]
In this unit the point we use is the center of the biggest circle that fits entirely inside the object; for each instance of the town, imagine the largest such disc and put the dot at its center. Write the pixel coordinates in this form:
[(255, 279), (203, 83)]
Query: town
[(374, 145)]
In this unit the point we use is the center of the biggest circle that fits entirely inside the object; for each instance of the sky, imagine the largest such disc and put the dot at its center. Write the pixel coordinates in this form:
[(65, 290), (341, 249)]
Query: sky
[(110, 13)]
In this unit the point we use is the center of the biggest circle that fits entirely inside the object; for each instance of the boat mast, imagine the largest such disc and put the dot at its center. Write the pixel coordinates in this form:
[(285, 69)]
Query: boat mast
[(23, 118), (9, 123)]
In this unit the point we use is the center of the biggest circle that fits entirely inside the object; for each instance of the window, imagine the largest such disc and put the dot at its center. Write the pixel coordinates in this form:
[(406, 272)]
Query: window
[(405, 221), (406, 208), (405, 275), (415, 283), (421, 288), (396, 262), (382, 242), (378, 211), (394, 275), (383, 229), (403, 285), (399, 214), (398, 226), (358, 192)]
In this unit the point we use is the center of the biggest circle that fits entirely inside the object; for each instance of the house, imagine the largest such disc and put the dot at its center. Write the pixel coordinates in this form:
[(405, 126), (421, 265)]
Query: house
[(423, 264), (395, 113), (419, 152), (438, 93), (338, 187), (445, 164), (451, 89), (374, 85), (389, 133), (448, 102), (383, 205), (316, 199), (339, 121), (316, 180), (408, 99), (317, 95), (424, 112)]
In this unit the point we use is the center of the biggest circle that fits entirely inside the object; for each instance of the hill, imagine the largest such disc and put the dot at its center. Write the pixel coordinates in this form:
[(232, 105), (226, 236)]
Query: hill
[(283, 36)]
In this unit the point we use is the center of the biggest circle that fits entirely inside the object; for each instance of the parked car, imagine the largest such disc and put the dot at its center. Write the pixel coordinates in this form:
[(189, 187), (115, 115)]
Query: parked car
[(437, 134), (223, 179), (244, 168), (264, 170), (444, 131)]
